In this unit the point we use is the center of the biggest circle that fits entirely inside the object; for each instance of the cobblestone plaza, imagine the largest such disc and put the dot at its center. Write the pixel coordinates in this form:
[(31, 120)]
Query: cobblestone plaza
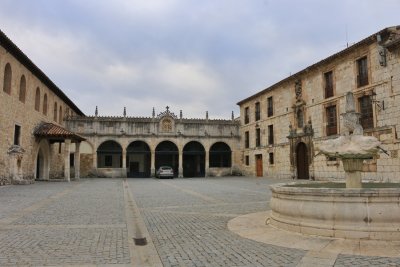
[(88, 223)]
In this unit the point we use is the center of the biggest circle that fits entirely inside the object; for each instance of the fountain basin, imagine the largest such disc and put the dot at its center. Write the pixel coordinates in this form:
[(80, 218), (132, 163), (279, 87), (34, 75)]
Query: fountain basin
[(362, 213)]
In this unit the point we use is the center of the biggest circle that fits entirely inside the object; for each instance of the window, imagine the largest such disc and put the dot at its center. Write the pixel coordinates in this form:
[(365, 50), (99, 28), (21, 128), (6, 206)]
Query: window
[(55, 112), (270, 134), (300, 118), (22, 89), (362, 72), (246, 140), (258, 136), (37, 99), (331, 119), (271, 158), (247, 160), (366, 119), (257, 111), (328, 84), (45, 104), (60, 117), (246, 115), (17, 135), (7, 79), (270, 110), (108, 161)]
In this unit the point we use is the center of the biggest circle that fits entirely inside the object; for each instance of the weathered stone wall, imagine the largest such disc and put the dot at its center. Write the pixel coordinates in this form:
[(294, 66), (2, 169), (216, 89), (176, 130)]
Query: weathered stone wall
[(384, 81)]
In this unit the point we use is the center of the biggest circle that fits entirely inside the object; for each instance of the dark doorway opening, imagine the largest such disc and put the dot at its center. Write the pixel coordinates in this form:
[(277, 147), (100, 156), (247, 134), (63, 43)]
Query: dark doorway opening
[(167, 155), (109, 155), (302, 161), (220, 155), (193, 160), (138, 158)]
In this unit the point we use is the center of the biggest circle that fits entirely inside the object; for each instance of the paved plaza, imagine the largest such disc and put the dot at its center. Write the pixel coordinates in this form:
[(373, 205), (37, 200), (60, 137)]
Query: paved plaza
[(93, 222)]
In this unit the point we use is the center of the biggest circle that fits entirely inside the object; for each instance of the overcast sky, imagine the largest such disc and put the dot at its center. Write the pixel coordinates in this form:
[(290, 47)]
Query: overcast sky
[(192, 55)]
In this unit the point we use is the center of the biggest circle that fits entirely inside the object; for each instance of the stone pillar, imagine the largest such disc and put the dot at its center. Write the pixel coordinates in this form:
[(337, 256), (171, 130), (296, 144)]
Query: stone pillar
[(353, 168), (124, 158), (77, 161), (67, 174), (152, 163), (180, 164), (207, 163)]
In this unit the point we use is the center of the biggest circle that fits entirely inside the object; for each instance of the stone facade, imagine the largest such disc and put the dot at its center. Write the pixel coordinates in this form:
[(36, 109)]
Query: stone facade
[(22, 109), (282, 125), (137, 146)]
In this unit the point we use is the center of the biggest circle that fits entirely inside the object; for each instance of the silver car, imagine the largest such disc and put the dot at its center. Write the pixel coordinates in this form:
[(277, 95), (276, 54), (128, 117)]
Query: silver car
[(165, 172)]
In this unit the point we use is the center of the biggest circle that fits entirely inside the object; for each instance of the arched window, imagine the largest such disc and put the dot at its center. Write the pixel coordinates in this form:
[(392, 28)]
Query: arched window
[(60, 117), (55, 112), (45, 104), (7, 79), (22, 89), (37, 99)]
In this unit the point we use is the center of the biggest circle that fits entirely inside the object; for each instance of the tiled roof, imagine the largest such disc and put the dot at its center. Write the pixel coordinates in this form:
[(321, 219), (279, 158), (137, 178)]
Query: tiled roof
[(55, 132)]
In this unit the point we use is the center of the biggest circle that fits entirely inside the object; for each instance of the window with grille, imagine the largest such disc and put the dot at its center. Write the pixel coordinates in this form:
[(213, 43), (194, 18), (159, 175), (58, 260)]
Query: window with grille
[(257, 111), (362, 72), (271, 158), (366, 119), (246, 115), (270, 134), (246, 140), (258, 136), (247, 160), (331, 119), (270, 105), (328, 84)]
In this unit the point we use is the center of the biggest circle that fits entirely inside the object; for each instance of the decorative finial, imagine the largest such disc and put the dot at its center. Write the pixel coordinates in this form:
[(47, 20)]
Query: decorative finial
[(233, 115), (154, 112), (167, 108), (124, 111), (96, 112), (180, 114), (206, 115)]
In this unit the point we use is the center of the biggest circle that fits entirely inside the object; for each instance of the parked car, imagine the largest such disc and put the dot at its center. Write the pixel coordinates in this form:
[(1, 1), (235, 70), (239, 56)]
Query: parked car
[(165, 172)]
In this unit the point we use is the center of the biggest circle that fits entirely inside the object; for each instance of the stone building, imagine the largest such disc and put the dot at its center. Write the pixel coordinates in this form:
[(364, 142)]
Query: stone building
[(136, 146), (282, 125), (34, 144)]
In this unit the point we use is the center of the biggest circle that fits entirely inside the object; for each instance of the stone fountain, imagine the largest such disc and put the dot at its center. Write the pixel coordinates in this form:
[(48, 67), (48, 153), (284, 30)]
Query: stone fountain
[(356, 210)]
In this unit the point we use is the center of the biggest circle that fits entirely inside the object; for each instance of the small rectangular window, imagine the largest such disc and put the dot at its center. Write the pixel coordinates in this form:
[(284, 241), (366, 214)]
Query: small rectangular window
[(270, 134), (246, 140), (362, 72), (257, 111), (258, 137), (270, 111), (108, 160), (367, 118), (271, 158), (17, 135), (328, 84), (331, 118), (247, 159), (246, 115)]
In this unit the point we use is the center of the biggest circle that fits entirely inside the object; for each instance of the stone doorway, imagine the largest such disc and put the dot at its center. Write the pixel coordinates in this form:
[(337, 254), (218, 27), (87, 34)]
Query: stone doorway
[(167, 155), (193, 160), (138, 158), (259, 165), (302, 165)]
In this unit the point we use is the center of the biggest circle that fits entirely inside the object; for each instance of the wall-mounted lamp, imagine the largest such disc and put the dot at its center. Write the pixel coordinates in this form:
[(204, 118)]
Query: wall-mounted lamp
[(379, 104)]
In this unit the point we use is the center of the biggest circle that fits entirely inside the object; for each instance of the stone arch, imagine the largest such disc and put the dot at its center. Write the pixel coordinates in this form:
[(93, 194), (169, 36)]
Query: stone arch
[(302, 163), (7, 79), (167, 154), (37, 99), (109, 155), (193, 159), (220, 155), (22, 89), (42, 161), (138, 159)]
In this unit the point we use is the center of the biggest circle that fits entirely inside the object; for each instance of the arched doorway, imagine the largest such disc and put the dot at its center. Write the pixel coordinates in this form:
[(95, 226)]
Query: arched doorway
[(40, 165), (302, 161), (193, 160), (138, 159), (220, 155), (167, 155), (109, 155), (42, 161)]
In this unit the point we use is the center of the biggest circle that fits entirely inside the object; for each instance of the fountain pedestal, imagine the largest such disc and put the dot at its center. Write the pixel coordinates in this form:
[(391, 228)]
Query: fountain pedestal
[(353, 168)]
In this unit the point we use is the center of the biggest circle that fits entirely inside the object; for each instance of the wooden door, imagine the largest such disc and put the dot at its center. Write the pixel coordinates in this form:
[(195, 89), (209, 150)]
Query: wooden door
[(302, 161), (259, 165)]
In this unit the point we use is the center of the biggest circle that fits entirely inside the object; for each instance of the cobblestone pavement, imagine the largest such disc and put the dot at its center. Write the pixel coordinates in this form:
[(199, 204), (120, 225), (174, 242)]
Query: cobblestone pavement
[(83, 223)]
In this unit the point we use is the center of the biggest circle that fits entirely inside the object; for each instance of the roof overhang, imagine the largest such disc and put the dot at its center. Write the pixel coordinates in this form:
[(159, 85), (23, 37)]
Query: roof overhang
[(54, 133)]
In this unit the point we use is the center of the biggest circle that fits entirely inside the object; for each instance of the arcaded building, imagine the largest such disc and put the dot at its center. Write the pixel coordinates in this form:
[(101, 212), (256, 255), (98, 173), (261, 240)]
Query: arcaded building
[(282, 125), (137, 146), (34, 143)]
